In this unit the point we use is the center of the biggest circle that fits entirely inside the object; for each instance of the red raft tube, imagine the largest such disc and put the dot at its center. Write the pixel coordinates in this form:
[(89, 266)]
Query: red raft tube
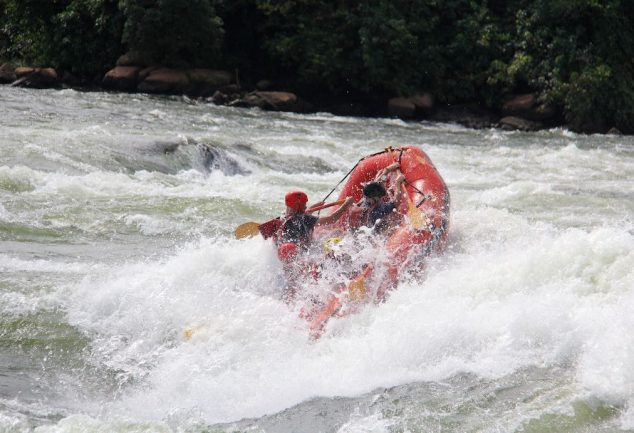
[(421, 231)]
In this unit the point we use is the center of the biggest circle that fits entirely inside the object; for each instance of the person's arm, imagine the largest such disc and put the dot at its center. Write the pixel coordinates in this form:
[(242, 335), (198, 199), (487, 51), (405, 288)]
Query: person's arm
[(381, 176), (336, 214), (398, 190)]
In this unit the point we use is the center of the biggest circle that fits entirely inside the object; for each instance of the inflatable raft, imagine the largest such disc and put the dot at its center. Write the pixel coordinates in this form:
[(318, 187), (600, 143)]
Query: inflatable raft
[(420, 229)]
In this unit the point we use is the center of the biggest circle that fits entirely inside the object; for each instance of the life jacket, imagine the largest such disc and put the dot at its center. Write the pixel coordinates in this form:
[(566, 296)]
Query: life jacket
[(298, 228)]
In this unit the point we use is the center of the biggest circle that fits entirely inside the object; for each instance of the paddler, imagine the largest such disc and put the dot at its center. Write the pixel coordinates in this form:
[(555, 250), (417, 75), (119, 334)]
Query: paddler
[(373, 210), (295, 234), (297, 226)]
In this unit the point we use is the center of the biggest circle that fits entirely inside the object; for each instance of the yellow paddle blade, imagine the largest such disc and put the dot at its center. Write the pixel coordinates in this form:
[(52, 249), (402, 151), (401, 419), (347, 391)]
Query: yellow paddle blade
[(247, 230), (416, 217), (356, 289)]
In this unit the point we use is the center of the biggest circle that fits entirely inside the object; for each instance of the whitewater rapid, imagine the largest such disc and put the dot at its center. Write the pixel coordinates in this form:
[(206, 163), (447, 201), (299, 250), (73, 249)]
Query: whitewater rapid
[(117, 238)]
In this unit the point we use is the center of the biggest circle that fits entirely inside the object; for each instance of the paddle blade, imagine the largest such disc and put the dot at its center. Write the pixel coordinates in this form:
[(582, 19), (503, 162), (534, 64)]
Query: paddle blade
[(356, 289), (416, 217), (247, 230)]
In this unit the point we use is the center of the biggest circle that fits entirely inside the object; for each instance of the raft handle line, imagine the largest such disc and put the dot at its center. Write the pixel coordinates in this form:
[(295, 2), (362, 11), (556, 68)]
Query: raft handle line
[(425, 196), (388, 149), (344, 178)]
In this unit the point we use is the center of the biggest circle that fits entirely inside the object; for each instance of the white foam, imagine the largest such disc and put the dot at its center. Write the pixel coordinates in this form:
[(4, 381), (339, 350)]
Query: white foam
[(537, 273), (87, 424), (359, 423), (538, 296), (10, 263), (149, 225)]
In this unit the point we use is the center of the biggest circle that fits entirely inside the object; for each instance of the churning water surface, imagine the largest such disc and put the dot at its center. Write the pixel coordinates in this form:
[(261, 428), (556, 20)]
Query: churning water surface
[(116, 235)]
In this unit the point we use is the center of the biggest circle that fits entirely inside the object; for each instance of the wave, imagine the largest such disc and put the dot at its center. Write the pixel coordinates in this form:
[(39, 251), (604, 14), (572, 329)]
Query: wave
[(495, 304)]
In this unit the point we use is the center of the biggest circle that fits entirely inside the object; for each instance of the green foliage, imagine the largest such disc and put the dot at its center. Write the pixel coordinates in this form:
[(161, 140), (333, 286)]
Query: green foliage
[(385, 47), (315, 43), (87, 36), (174, 32), (574, 54), (80, 36), (26, 29)]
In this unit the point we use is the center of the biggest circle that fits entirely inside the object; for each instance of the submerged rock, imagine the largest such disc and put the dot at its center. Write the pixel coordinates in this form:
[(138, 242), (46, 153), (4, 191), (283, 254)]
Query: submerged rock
[(274, 101), (218, 159), (510, 123)]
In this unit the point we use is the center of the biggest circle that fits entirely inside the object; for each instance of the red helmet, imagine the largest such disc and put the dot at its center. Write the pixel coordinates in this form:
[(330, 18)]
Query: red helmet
[(296, 200), (287, 251)]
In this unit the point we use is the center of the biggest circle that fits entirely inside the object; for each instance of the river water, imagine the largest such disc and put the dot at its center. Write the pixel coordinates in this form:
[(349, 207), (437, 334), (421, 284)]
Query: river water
[(116, 235)]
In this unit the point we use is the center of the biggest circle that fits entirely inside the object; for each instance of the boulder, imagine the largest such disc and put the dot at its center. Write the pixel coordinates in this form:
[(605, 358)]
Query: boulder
[(133, 58), (528, 107), (230, 89), (164, 81), (23, 71), (40, 78), (7, 74), (122, 78), (218, 98), (510, 123), (145, 72), (401, 107), (471, 115), (275, 101), (204, 82), (519, 104), (226, 95), (423, 102)]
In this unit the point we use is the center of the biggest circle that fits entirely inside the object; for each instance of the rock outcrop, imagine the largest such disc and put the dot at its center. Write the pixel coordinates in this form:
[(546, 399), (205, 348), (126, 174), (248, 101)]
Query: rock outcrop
[(417, 106), (7, 74), (510, 123), (273, 101), (159, 80), (123, 78), (39, 78), (528, 107)]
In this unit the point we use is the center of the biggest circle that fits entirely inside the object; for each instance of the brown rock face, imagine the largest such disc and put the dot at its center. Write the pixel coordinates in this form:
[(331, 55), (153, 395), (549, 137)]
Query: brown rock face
[(122, 78), (165, 81), (204, 82), (275, 101), (39, 78), (528, 107), (517, 123), (401, 107), (7, 74)]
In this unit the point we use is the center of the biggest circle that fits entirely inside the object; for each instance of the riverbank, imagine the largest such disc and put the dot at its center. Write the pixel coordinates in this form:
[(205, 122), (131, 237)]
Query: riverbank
[(523, 112)]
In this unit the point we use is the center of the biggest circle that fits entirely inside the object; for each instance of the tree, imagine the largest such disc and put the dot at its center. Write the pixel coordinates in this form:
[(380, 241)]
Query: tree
[(174, 32)]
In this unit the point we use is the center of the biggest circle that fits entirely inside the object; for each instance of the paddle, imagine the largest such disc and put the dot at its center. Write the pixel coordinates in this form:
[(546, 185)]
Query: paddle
[(354, 292), (250, 229), (417, 219)]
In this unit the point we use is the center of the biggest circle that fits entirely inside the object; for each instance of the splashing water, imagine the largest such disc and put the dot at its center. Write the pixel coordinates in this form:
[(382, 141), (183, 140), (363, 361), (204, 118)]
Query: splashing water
[(116, 232)]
